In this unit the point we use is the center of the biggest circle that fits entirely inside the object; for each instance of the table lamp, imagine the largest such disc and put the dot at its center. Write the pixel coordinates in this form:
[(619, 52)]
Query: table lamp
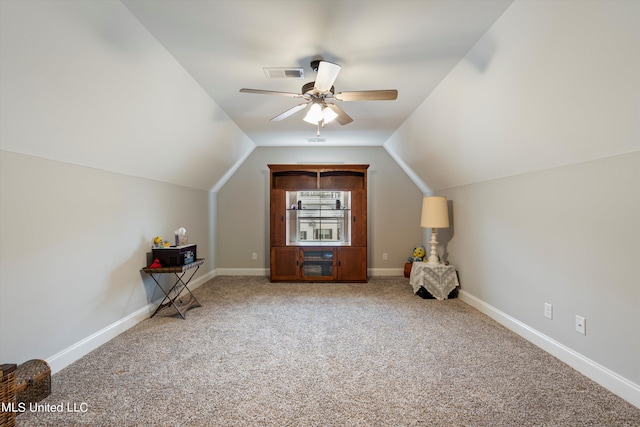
[(435, 214)]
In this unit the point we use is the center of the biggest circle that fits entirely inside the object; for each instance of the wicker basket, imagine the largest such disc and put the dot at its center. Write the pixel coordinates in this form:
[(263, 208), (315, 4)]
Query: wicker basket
[(33, 381), (8, 395)]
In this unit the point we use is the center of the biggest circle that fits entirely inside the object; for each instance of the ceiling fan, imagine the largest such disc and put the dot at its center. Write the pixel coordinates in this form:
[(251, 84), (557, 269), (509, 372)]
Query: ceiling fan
[(317, 93)]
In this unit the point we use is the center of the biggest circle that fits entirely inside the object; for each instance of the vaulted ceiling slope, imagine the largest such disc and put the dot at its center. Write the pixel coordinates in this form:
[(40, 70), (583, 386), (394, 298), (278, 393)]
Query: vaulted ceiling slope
[(151, 89), (550, 84), (83, 82), (486, 88)]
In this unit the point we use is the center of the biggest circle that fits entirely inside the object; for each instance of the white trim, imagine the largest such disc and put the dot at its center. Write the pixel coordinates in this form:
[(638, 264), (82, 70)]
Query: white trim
[(222, 181), (610, 380), (67, 356), (242, 272), (70, 354), (199, 281), (386, 272), (410, 173), (265, 272)]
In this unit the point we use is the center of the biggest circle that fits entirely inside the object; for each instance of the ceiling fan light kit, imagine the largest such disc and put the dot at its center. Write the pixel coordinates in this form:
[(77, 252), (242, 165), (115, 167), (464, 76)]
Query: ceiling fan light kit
[(314, 115), (328, 115), (322, 89), (320, 113)]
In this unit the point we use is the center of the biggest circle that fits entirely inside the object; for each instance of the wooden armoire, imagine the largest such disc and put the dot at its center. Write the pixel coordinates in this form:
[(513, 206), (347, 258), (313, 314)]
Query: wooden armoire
[(318, 223)]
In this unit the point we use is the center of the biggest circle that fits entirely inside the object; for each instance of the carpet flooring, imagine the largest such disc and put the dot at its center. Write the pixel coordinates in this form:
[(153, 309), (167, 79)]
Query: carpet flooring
[(304, 354)]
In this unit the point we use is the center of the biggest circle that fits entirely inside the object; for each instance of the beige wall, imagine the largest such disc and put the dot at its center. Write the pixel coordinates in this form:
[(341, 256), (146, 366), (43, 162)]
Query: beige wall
[(72, 245), (551, 89), (133, 146), (243, 207), (565, 236)]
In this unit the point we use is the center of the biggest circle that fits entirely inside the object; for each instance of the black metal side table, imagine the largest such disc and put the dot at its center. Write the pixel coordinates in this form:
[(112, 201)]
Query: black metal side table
[(173, 294)]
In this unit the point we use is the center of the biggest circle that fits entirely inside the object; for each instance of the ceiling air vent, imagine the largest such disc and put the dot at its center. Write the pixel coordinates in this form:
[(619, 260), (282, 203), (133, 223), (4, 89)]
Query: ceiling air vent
[(283, 73)]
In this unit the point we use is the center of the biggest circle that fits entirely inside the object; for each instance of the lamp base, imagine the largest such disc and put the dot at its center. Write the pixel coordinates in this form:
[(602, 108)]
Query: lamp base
[(433, 255)]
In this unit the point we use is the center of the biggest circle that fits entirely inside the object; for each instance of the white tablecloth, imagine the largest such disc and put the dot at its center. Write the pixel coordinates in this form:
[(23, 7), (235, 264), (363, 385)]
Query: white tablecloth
[(439, 280)]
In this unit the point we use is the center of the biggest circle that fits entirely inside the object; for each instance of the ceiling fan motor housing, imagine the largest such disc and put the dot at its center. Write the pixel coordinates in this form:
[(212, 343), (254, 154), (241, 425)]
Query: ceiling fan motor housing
[(309, 88)]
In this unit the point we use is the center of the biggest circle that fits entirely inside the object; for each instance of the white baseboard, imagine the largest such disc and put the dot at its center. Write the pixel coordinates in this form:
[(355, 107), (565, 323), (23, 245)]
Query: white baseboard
[(74, 352), (265, 272), (386, 272), (242, 272), (617, 384)]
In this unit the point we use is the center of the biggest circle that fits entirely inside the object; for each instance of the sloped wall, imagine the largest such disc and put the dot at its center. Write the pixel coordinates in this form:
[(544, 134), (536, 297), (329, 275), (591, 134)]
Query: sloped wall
[(551, 83), (85, 83), (105, 143), (552, 90)]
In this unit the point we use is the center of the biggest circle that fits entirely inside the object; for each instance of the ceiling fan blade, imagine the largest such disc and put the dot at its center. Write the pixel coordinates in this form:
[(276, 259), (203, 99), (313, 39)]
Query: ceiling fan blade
[(327, 73), (367, 95), (343, 118), (272, 92), (289, 112)]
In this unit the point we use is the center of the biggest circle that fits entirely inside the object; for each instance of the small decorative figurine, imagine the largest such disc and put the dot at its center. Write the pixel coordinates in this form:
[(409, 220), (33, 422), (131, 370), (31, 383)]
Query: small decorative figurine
[(418, 254)]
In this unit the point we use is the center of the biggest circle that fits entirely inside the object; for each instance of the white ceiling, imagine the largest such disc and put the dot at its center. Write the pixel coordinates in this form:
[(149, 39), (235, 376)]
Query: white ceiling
[(408, 45)]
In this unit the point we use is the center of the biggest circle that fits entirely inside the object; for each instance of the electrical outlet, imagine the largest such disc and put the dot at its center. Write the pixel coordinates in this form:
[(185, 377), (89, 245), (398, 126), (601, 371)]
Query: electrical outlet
[(254, 256), (548, 310), (581, 325), (385, 256)]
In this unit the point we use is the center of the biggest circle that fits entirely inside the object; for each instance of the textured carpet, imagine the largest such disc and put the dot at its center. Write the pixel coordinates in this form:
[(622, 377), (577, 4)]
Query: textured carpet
[(372, 354)]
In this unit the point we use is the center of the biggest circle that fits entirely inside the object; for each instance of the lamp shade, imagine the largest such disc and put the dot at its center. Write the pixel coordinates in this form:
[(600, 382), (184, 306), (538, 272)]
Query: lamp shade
[(435, 213)]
